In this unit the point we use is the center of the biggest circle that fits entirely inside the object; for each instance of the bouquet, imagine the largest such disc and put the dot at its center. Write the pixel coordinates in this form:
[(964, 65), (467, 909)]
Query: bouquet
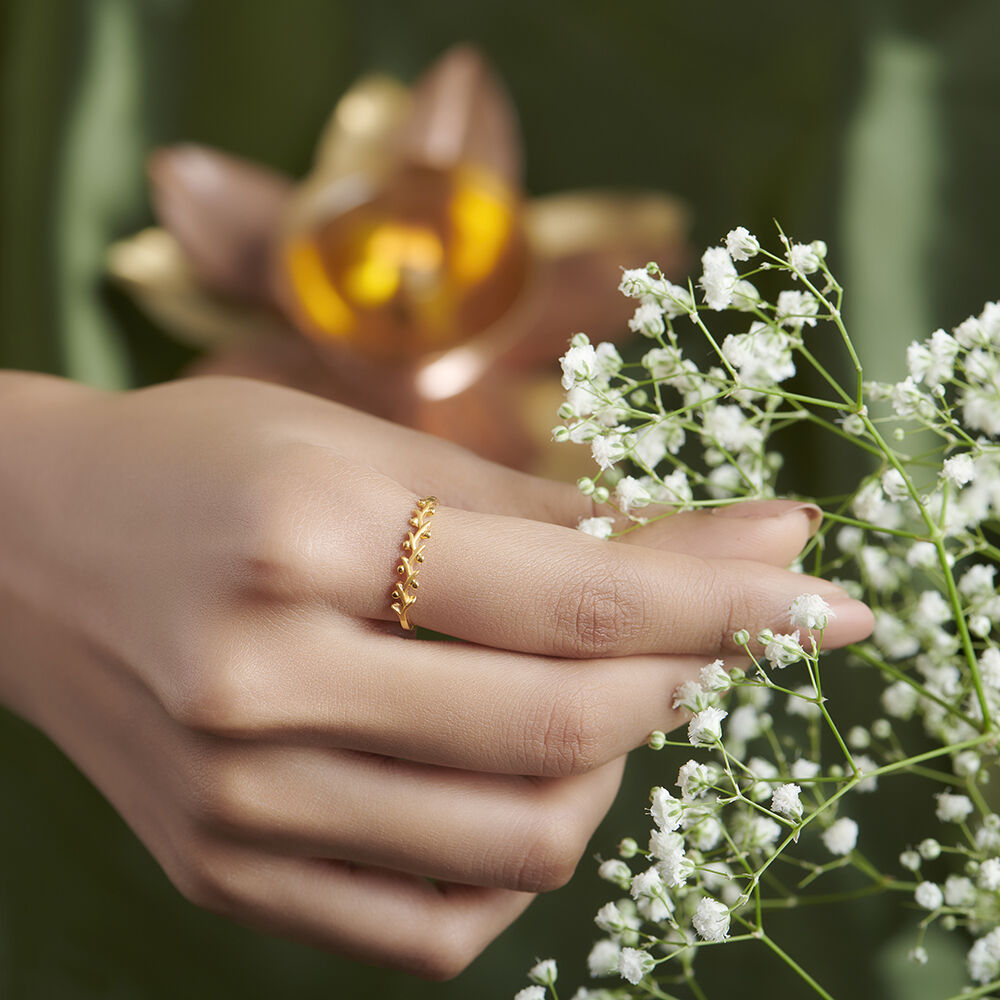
[(760, 816)]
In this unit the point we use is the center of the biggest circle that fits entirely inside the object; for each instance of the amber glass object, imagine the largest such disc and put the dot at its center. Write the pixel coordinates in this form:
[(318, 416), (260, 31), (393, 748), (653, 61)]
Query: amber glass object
[(428, 260)]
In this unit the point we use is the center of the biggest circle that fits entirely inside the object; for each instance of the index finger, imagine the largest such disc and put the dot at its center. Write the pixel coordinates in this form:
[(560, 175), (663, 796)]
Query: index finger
[(533, 587)]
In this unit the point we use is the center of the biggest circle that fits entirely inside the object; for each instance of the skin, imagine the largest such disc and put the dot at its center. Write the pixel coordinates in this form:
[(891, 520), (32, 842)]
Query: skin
[(194, 595)]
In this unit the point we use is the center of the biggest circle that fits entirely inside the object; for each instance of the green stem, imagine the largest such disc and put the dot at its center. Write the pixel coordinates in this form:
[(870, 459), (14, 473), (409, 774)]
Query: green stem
[(789, 961), (862, 654), (979, 991)]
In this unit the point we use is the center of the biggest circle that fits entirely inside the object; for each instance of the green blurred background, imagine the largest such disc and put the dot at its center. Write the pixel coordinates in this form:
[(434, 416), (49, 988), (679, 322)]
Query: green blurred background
[(874, 125)]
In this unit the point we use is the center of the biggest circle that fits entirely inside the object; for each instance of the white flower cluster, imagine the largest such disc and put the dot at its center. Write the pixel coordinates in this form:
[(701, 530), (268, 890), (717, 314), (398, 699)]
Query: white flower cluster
[(717, 830), (689, 425)]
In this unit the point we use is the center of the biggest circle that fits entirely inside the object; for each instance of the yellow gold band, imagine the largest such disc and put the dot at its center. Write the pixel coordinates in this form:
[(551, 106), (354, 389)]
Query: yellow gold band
[(404, 594)]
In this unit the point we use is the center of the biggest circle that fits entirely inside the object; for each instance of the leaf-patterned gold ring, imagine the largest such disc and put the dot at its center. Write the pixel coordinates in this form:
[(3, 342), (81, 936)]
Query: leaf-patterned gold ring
[(405, 592)]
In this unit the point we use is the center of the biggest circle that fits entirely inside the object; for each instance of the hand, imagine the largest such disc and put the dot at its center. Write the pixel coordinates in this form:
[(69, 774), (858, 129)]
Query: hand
[(194, 596)]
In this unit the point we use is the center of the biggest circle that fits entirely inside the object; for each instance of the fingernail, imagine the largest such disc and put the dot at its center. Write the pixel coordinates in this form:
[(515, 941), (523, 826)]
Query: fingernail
[(772, 508), (850, 621)]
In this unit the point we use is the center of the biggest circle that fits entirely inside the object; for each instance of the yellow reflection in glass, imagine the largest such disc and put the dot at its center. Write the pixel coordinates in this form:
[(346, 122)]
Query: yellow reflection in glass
[(391, 254), (314, 292), (481, 218)]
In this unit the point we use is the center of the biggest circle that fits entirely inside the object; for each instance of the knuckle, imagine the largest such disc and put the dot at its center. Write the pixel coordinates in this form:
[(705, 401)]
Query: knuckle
[(449, 954), (569, 731), (736, 604), (274, 562), (550, 854), (602, 613), (219, 699), (222, 801), (208, 882)]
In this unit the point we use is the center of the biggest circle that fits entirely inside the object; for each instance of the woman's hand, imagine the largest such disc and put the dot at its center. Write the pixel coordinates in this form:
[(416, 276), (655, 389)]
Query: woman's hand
[(195, 604)]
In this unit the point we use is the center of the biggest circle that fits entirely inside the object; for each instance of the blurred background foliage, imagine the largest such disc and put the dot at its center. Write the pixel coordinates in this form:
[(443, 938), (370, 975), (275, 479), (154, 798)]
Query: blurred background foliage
[(872, 124)]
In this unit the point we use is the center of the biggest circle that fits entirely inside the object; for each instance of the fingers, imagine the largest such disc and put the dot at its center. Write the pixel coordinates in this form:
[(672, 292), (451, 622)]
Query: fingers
[(368, 914), (522, 585), (763, 529), (490, 830), (449, 704), (768, 531)]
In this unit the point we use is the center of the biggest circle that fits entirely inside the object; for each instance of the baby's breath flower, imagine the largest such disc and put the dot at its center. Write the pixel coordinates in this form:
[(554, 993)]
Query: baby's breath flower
[(796, 309), (900, 700), (604, 958), (988, 877), (627, 848), (959, 469), (608, 449), (711, 919), (665, 809), (967, 763), (983, 960), (694, 780), (953, 808), (530, 993), (841, 837), (928, 895), (923, 529), (714, 677), (544, 973), (634, 964), (616, 871), (631, 493), (918, 955), (705, 729), (609, 918), (930, 849), (804, 257), (805, 770), (858, 738), (579, 364), (810, 611), (674, 865), (881, 729), (802, 702), (647, 319), (648, 884), (656, 740), (692, 696), (635, 282), (932, 361), (781, 650), (959, 891), (922, 555), (785, 801), (599, 527), (718, 278), (894, 485), (742, 244), (865, 764)]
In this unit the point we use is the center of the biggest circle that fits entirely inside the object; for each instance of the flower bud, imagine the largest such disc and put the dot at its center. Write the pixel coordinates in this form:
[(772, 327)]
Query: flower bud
[(628, 848), (656, 740), (585, 485), (929, 849), (742, 637), (601, 494), (560, 434), (881, 729)]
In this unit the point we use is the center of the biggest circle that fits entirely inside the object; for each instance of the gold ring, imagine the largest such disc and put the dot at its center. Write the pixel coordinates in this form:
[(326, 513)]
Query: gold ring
[(404, 593)]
